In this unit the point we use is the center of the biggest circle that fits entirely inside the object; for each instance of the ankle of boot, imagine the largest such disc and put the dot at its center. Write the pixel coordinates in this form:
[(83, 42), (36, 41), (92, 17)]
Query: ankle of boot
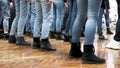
[(44, 40), (75, 44), (36, 39)]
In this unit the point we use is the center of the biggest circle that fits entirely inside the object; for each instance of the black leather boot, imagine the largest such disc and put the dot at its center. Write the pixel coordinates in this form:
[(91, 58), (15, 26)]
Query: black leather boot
[(109, 31), (5, 36), (36, 43), (12, 39), (58, 36), (66, 38), (89, 57), (117, 36), (21, 42), (75, 51), (52, 35), (1, 33), (46, 46)]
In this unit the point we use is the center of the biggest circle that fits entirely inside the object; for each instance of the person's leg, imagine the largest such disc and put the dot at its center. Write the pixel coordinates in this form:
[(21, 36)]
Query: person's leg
[(76, 29), (115, 44), (21, 24), (1, 16), (53, 23), (73, 16), (59, 17), (67, 26), (6, 17), (27, 25), (12, 15), (117, 32), (99, 22), (99, 25), (33, 15), (90, 29), (46, 11), (107, 19), (37, 25), (12, 38), (0, 11)]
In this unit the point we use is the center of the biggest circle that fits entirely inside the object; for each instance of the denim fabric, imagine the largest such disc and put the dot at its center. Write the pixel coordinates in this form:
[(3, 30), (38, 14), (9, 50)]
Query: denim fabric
[(71, 17), (46, 10), (43, 18), (38, 19), (0, 12), (20, 19), (58, 13), (30, 17), (99, 23), (23, 17), (16, 19), (27, 25), (117, 33), (5, 13), (107, 19), (89, 9), (33, 15)]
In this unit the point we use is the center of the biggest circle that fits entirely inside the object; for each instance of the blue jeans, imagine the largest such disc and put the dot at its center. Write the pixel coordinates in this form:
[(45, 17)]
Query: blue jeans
[(58, 13), (117, 32), (20, 19), (71, 17), (89, 9), (99, 23), (31, 17), (27, 25), (43, 18), (0, 12), (5, 14)]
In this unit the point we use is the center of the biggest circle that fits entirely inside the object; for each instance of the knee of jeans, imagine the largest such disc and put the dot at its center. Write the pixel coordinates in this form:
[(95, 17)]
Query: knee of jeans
[(6, 18)]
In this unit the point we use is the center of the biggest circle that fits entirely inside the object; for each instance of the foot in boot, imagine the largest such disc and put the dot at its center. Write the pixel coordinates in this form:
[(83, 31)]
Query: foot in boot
[(58, 36), (21, 42), (36, 43), (66, 38), (117, 36), (52, 35), (46, 46), (109, 31), (12, 39), (89, 57), (75, 51), (102, 38), (5, 36), (1, 36)]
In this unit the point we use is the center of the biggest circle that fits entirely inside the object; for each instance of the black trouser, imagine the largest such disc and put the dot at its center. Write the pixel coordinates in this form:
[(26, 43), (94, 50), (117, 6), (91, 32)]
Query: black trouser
[(117, 34)]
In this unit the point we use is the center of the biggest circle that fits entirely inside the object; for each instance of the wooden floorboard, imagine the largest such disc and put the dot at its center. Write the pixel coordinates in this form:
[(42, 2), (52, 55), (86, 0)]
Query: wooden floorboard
[(12, 56)]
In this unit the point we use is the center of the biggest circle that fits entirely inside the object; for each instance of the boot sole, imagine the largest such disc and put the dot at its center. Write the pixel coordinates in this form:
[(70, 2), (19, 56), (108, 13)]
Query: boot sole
[(11, 42), (35, 47), (74, 57), (22, 45), (44, 50), (91, 62)]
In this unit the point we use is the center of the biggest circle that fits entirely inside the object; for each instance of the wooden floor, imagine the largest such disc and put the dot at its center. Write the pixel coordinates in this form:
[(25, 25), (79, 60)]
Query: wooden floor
[(12, 56)]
